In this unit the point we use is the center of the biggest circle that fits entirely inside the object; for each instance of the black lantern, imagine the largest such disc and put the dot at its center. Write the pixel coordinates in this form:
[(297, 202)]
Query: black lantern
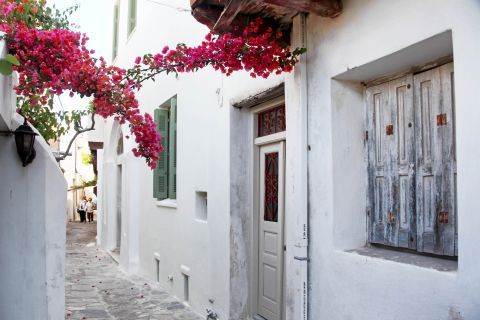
[(24, 139)]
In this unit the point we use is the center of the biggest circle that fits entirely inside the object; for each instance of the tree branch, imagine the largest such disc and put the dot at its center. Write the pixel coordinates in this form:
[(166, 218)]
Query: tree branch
[(77, 133)]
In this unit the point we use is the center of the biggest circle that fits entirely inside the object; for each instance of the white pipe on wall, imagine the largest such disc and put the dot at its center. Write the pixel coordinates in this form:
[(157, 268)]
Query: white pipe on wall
[(296, 98), (304, 218)]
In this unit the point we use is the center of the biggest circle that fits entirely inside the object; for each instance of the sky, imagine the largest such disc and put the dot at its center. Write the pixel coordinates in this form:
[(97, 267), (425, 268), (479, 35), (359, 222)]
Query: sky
[(94, 17)]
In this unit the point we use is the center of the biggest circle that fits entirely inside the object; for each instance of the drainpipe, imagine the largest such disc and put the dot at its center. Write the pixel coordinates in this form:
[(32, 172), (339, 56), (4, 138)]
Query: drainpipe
[(301, 256), (296, 98)]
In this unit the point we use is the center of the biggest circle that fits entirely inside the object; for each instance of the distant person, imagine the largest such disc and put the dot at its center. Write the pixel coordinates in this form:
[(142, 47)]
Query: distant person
[(82, 206), (89, 209)]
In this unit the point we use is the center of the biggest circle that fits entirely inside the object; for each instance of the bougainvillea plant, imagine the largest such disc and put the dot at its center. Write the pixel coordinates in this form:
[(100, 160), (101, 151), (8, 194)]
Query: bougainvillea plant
[(51, 59)]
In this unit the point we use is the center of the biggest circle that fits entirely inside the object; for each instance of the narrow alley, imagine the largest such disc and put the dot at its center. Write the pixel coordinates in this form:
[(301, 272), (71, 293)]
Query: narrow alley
[(97, 289)]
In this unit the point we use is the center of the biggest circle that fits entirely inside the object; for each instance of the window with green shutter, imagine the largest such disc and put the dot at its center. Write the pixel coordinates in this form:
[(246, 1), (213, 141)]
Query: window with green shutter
[(165, 175), (116, 13), (132, 15), (172, 155)]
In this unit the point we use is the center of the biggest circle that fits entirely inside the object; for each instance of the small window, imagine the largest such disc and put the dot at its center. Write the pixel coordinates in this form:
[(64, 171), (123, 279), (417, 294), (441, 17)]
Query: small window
[(116, 13), (271, 121), (165, 175), (186, 288), (157, 269), (132, 16), (201, 206)]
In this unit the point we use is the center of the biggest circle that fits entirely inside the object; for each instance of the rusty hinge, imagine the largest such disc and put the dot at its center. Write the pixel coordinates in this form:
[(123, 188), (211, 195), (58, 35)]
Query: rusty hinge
[(391, 217), (443, 217), (389, 129), (442, 119)]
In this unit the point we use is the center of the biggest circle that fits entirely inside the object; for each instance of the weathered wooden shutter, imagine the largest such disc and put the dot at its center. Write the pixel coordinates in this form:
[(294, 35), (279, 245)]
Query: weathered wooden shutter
[(172, 168), (436, 161), (391, 157), (132, 15), (160, 174)]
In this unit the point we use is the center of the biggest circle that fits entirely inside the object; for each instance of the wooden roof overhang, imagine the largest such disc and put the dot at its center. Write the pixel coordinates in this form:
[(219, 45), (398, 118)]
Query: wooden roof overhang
[(221, 15)]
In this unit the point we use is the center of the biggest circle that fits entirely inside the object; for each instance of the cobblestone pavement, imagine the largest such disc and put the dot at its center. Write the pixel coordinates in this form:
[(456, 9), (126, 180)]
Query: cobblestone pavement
[(95, 288)]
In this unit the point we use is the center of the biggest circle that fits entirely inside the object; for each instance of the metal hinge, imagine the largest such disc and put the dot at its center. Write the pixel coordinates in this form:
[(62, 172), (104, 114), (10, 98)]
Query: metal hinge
[(389, 130), (442, 119), (391, 217), (443, 217)]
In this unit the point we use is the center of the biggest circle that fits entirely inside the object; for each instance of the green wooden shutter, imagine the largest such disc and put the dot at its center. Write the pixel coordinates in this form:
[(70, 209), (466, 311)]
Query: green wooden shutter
[(160, 174), (132, 15), (172, 168)]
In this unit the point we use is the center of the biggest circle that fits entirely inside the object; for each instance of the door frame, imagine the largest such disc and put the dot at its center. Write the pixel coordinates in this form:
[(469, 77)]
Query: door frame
[(255, 207)]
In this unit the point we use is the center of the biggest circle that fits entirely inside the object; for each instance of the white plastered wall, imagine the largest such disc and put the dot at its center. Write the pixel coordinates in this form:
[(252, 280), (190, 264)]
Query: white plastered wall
[(32, 228), (172, 233), (345, 285)]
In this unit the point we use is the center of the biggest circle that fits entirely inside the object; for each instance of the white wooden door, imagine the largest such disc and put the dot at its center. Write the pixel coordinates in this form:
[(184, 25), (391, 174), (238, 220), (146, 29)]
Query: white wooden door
[(270, 238)]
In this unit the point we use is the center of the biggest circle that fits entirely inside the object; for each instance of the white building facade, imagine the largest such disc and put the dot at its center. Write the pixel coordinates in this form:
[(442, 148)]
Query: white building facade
[(372, 163)]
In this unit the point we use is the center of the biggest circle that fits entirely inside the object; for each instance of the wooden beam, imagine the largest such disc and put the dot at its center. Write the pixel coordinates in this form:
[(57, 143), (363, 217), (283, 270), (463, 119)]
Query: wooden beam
[(196, 3), (232, 8), (207, 16), (324, 8)]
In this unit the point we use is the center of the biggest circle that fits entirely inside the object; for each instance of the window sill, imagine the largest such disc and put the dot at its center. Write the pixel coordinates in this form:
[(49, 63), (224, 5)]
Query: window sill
[(167, 203), (418, 260)]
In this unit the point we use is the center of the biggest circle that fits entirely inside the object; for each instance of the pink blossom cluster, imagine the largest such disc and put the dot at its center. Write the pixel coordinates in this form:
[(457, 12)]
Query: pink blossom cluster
[(256, 50)]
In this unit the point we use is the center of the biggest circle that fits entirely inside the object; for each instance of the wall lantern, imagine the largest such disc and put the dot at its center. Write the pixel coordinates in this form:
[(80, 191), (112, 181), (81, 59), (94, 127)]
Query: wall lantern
[(24, 140)]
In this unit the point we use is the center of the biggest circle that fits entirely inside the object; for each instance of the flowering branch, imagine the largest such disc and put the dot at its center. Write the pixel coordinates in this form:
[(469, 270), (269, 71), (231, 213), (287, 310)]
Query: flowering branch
[(52, 59)]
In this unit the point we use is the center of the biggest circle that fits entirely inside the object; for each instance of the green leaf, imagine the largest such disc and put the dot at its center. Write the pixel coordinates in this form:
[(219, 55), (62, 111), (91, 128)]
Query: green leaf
[(5, 67)]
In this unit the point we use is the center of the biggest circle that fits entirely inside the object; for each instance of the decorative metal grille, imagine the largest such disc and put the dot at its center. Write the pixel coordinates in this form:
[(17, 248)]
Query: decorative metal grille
[(271, 121), (271, 187)]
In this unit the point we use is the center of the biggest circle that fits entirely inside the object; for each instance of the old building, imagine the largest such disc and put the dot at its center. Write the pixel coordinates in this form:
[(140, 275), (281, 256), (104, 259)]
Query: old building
[(359, 203)]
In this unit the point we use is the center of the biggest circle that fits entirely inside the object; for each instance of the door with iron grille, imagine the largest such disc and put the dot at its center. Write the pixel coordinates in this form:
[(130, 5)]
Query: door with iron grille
[(270, 238)]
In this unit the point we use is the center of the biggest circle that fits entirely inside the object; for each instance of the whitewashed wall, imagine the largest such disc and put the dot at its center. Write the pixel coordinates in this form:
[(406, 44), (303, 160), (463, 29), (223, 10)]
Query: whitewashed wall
[(32, 229), (345, 285), (215, 154), (148, 227)]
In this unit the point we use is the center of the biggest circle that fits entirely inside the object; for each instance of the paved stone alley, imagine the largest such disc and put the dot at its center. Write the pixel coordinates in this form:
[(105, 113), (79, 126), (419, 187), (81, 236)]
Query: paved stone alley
[(95, 288)]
